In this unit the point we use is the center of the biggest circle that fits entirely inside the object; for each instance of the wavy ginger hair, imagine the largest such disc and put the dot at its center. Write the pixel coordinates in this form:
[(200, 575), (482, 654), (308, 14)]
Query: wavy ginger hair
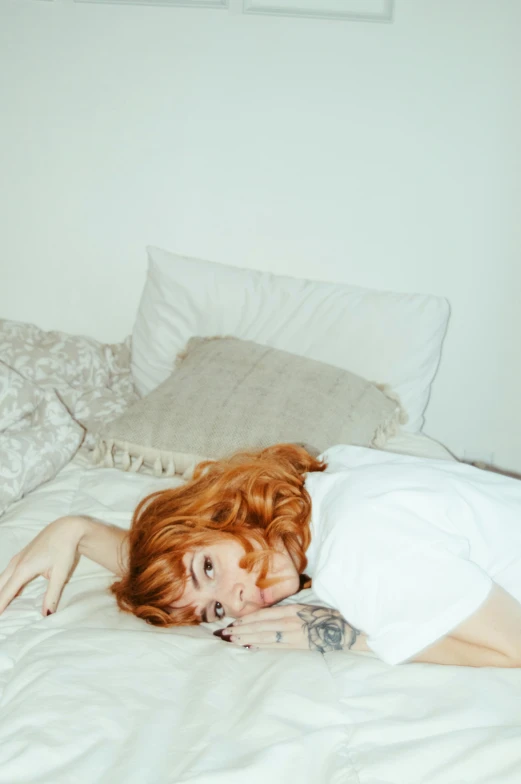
[(255, 498)]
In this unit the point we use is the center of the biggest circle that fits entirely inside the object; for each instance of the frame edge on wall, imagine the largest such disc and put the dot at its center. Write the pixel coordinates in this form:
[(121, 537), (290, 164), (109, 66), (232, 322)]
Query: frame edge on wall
[(269, 8), (222, 4)]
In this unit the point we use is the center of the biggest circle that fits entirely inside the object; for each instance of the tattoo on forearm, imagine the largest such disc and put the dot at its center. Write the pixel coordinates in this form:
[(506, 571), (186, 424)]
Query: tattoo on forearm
[(327, 630)]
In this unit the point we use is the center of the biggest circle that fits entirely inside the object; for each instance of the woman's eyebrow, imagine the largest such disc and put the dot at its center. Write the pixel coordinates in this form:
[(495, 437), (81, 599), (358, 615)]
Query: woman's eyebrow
[(192, 574)]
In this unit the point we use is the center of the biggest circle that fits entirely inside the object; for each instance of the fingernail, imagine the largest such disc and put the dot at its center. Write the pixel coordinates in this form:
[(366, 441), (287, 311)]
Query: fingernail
[(220, 633), (247, 646), (49, 612)]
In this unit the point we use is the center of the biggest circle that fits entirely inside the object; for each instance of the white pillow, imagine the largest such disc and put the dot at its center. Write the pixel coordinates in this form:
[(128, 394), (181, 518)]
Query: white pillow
[(388, 338)]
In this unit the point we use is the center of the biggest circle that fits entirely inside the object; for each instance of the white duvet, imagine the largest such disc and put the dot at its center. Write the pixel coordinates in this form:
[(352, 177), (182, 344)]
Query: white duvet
[(93, 696)]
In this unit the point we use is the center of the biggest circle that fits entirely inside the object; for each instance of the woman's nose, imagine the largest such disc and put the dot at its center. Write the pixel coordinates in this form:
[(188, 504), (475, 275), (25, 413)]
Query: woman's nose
[(236, 599)]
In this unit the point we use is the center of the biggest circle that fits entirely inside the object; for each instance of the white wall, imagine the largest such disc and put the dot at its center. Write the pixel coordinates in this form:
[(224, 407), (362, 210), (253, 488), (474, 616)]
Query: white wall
[(382, 155)]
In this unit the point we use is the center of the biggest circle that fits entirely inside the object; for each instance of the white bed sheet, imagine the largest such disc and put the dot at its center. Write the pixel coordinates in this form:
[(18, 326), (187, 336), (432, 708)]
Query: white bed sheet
[(93, 696)]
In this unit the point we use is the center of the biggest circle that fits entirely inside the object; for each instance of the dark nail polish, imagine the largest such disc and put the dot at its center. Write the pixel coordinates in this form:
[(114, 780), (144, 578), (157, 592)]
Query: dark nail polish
[(219, 633), (247, 646), (49, 612)]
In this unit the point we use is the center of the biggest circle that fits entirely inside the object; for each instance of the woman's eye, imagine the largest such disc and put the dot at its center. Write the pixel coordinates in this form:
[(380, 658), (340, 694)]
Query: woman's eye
[(219, 610), (208, 567)]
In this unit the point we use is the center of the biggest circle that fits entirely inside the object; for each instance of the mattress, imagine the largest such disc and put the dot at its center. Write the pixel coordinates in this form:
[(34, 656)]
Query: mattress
[(91, 695)]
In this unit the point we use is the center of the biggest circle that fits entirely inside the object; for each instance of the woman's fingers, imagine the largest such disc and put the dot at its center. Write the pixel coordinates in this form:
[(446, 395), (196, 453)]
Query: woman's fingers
[(272, 638), (272, 629), (52, 554), (16, 581), (57, 580), (15, 577), (267, 625), (7, 573), (271, 613)]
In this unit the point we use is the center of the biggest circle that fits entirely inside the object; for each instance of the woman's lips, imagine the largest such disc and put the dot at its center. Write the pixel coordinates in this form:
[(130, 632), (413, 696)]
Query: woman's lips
[(265, 599)]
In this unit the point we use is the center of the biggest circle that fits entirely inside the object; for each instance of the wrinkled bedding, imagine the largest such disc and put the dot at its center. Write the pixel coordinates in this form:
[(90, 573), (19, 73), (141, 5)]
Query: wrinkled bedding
[(92, 695)]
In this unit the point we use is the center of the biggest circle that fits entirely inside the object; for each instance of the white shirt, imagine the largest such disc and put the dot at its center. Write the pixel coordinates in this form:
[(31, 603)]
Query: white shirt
[(407, 548)]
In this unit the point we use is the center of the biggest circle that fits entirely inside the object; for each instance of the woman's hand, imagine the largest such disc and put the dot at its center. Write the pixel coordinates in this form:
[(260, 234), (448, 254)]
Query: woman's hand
[(295, 627), (52, 554)]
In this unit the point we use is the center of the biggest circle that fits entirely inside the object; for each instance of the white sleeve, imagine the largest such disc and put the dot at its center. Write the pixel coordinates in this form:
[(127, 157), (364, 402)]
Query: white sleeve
[(345, 456), (389, 556), (419, 598)]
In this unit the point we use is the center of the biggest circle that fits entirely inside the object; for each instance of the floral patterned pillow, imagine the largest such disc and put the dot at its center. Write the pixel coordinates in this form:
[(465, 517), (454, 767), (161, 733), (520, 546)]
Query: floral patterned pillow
[(93, 379), (17, 397), (38, 436), (56, 390)]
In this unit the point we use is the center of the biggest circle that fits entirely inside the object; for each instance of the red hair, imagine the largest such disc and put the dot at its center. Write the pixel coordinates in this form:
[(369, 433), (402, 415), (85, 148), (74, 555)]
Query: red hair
[(255, 498)]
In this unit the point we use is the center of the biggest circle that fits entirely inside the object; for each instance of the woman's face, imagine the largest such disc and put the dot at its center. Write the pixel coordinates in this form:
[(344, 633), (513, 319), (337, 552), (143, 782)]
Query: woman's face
[(218, 586)]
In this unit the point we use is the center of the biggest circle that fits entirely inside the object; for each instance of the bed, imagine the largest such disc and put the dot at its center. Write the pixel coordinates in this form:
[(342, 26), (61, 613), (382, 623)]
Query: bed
[(93, 695)]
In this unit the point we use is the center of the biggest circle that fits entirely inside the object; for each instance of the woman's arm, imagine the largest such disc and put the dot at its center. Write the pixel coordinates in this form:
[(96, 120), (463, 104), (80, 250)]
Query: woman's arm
[(54, 553), (450, 650), (104, 544), (491, 637)]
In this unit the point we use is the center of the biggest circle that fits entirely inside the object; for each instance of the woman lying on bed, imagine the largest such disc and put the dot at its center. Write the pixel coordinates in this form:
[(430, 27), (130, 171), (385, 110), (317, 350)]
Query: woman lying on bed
[(420, 558)]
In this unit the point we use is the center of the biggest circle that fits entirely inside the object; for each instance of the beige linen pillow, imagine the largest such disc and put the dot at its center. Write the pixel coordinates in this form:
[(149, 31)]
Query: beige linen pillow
[(228, 394)]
